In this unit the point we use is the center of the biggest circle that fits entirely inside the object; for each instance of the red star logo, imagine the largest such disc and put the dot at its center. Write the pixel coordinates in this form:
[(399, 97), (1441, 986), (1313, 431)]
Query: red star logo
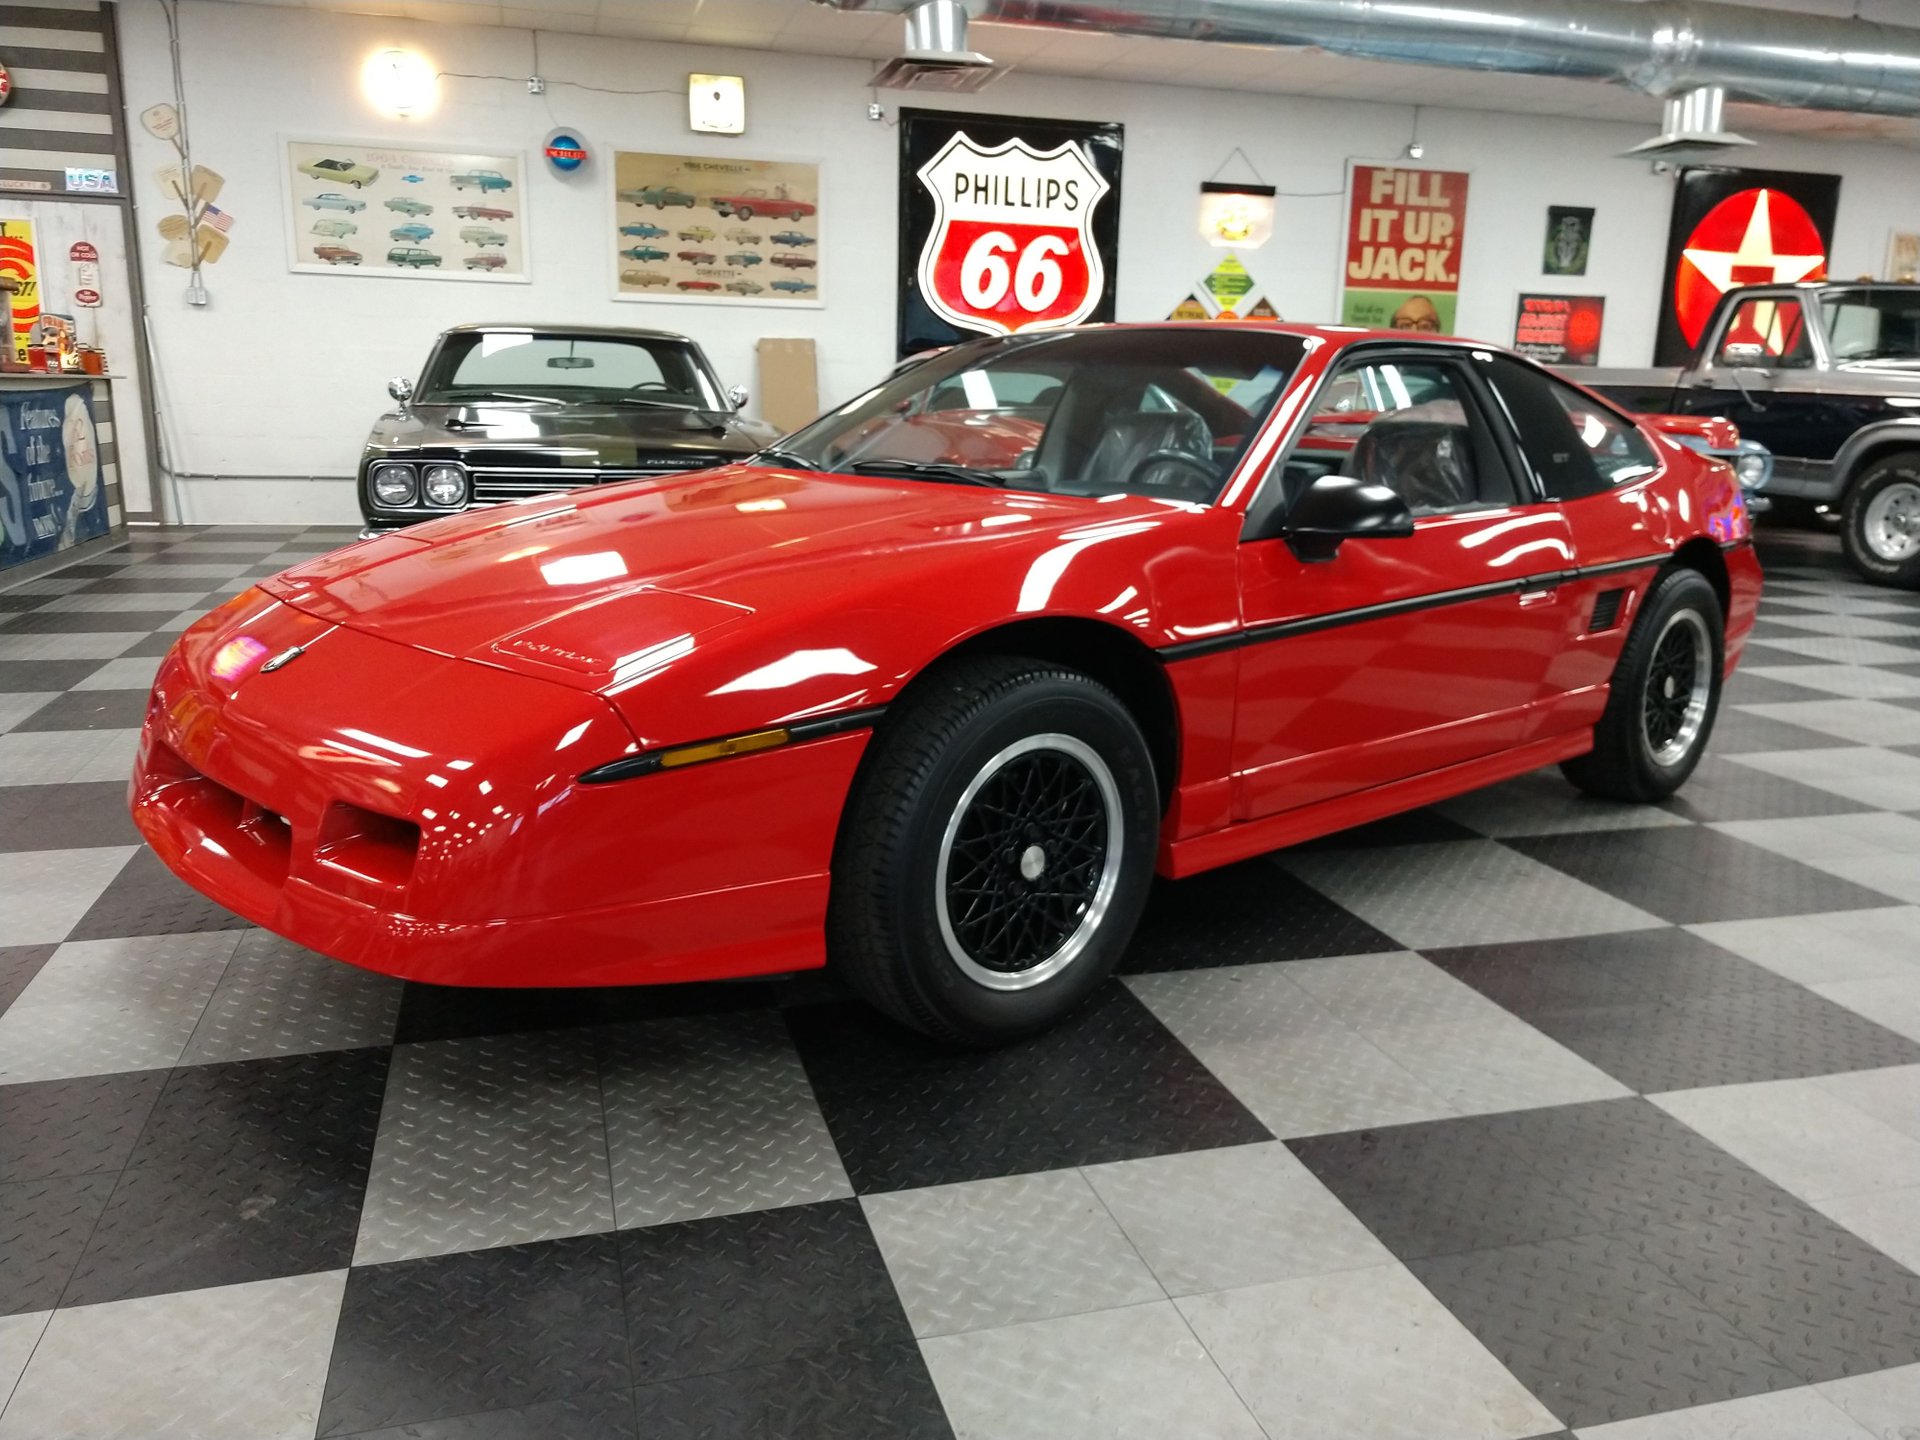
[(1757, 237)]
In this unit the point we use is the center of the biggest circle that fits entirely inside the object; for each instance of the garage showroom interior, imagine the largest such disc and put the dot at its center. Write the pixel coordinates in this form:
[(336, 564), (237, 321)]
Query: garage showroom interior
[(995, 719)]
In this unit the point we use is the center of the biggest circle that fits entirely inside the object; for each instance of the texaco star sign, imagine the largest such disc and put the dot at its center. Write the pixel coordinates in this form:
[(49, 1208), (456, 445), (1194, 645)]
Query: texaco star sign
[(1757, 237)]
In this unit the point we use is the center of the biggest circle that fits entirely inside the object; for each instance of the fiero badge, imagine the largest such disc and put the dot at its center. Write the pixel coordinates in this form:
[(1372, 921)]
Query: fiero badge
[(1012, 244)]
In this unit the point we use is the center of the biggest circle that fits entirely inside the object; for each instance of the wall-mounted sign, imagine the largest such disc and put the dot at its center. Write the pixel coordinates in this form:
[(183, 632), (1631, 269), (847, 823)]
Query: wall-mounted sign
[(1405, 230), (6, 85), (1560, 329), (1236, 214), (82, 181), (1226, 292), (20, 265), (358, 207), (51, 495), (1006, 224), (566, 152), (1903, 255), (84, 260), (1569, 238), (704, 227), (160, 121), (1739, 227)]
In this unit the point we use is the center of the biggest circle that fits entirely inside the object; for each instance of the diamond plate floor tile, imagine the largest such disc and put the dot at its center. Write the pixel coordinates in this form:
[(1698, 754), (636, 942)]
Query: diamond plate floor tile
[(1132, 1374), (1239, 915), (98, 645), (597, 1415), (1885, 1404), (130, 672), (1891, 1095), (884, 1391), (1694, 875), (243, 1360), (1744, 729), (1892, 1001), (1836, 645), (146, 898), (1859, 722), (496, 1329), (494, 1141), (1824, 949), (1856, 682), (712, 1115), (1801, 1136), (18, 965), (1110, 1083), (1543, 803), (43, 677), (1803, 1414), (1888, 1220), (756, 1289), (1499, 1063), (105, 1005), (84, 1126), (1597, 1331), (1722, 789), (997, 1252), (1363, 1352), (65, 817), (1217, 1219), (1397, 988), (1641, 967), (165, 601), (48, 891), (1864, 774), (45, 1224), (19, 1335), (17, 707), (89, 710), (277, 998), (1465, 893)]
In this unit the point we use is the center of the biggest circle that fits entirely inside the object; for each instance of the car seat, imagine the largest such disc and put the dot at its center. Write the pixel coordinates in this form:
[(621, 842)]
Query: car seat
[(1427, 463)]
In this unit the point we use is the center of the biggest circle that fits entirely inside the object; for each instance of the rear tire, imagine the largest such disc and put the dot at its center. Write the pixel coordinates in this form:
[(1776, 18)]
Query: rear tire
[(1665, 694), (996, 852), (1880, 522)]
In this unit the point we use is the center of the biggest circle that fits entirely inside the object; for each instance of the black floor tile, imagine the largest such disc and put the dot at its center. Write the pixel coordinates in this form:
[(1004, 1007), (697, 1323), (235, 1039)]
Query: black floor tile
[(1720, 789), (146, 898), (769, 1286), (1110, 1083), (90, 710), (1596, 1331), (1416, 827), (1690, 874), (1740, 732), (450, 1012), (18, 965), (153, 645), (85, 622), (1759, 652), (885, 1391), (453, 1335), (1242, 915), (1531, 977), (44, 1225), (600, 1415), (21, 677), (66, 817), (84, 1126)]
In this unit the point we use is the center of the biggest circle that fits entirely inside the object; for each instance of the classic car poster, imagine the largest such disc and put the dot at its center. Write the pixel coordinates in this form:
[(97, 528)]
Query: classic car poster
[(1560, 329), (1739, 227), (700, 227), (20, 282), (370, 208), (1569, 237), (51, 495), (1006, 224), (1405, 229)]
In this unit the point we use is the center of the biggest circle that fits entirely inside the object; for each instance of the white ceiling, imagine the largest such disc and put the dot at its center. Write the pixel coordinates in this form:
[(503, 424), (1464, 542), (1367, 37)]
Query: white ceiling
[(810, 28)]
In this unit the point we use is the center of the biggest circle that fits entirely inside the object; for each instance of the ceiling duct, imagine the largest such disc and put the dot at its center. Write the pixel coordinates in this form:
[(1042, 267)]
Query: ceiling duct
[(1663, 47), (936, 56), (1694, 129)]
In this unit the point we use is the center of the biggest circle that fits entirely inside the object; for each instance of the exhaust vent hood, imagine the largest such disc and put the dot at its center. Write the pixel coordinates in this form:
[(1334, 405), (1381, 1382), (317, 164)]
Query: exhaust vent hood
[(936, 56), (1693, 130)]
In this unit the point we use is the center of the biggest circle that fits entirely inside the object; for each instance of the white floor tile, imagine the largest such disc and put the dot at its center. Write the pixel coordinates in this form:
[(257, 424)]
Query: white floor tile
[(1822, 949), (1802, 1414), (1800, 1136)]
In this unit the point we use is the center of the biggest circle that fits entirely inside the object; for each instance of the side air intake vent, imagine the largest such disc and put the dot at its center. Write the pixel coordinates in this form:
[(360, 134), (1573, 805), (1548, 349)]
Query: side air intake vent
[(1606, 610)]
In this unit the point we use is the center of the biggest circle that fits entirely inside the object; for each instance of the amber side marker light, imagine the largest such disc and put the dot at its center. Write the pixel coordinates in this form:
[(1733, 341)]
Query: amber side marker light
[(678, 756), (721, 749)]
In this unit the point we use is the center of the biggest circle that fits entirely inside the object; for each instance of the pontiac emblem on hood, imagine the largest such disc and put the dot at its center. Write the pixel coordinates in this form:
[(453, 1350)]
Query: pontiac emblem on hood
[(285, 657)]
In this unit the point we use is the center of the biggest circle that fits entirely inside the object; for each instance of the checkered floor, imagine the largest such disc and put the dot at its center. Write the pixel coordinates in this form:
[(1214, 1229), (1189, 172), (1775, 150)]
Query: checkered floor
[(1522, 1115)]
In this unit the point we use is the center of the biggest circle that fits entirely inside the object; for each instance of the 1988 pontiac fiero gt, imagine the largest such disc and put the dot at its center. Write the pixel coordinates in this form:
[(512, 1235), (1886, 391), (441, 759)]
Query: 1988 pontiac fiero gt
[(930, 691)]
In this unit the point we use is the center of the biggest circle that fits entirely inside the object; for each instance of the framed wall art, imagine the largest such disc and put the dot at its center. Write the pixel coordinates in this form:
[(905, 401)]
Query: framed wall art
[(1405, 231), (369, 207), (716, 229)]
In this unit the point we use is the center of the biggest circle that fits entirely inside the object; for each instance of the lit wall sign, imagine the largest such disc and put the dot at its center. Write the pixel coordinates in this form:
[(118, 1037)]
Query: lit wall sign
[(1236, 214), (92, 182)]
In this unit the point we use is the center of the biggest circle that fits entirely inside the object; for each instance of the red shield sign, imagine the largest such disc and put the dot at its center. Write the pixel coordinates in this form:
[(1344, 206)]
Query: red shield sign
[(1012, 245)]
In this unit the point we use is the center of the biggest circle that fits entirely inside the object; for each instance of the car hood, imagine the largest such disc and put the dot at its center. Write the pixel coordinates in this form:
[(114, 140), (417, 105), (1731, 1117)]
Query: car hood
[(594, 587), (589, 436)]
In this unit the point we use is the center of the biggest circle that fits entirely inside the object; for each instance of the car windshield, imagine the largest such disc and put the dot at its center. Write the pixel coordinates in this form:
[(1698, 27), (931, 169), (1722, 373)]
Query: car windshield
[(1164, 411), (566, 369), (1873, 324)]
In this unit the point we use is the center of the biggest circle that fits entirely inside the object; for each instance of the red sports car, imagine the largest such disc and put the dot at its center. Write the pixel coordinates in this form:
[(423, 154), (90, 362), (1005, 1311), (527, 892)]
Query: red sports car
[(930, 691)]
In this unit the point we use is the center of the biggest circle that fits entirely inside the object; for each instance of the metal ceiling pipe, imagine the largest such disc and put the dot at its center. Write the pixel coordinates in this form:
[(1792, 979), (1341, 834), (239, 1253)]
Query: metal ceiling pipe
[(1662, 48)]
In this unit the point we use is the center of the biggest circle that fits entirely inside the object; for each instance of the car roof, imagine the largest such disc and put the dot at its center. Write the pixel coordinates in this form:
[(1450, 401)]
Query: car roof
[(623, 332)]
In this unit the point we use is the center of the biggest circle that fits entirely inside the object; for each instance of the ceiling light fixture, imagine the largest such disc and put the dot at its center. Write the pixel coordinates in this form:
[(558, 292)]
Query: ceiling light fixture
[(400, 83)]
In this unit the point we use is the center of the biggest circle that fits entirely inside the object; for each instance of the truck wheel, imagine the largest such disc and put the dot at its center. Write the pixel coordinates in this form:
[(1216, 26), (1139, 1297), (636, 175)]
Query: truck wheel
[(996, 852), (1665, 693), (1880, 529)]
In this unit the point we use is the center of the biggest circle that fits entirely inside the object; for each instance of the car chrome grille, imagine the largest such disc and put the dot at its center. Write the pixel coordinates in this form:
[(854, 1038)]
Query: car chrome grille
[(495, 487)]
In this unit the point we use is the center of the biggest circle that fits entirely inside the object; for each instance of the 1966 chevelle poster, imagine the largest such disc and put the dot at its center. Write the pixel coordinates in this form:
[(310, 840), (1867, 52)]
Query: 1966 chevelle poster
[(358, 207), (697, 227)]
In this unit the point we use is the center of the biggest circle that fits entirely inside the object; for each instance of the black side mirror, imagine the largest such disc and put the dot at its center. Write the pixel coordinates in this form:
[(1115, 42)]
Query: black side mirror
[(1340, 507)]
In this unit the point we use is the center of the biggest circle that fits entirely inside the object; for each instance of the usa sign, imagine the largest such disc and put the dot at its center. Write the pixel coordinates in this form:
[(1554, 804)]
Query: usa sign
[(1006, 225)]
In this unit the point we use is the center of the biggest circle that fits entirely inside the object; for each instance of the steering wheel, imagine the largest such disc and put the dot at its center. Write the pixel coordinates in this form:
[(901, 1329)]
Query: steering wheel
[(1207, 476)]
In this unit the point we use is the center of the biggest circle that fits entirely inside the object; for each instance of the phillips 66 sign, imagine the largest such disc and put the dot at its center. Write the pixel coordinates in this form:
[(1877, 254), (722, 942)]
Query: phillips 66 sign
[(1006, 225)]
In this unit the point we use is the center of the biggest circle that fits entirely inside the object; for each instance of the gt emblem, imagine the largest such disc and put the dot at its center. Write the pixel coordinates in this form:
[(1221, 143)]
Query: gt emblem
[(1012, 242), (285, 657)]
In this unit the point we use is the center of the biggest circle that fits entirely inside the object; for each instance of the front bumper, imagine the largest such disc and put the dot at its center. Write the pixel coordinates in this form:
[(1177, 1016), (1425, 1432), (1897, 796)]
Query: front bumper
[(408, 813)]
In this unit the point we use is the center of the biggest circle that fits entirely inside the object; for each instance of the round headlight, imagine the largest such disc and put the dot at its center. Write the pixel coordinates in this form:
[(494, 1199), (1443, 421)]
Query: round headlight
[(392, 484), (1752, 469), (444, 485)]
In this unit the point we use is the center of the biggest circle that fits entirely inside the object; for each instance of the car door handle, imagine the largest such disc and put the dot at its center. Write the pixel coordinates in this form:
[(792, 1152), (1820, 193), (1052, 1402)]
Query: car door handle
[(1530, 598)]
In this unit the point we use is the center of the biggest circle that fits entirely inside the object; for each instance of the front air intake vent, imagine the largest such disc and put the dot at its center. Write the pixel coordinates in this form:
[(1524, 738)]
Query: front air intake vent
[(1606, 610)]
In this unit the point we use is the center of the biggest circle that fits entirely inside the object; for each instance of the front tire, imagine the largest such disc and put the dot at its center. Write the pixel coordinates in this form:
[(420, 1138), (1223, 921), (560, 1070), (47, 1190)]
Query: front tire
[(1880, 529), (1665, 694), (996, 852)]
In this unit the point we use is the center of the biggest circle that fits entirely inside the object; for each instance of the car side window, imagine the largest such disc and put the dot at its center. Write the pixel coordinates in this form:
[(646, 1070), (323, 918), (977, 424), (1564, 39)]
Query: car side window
[(1767, 333), (1575, 446), (1411, 425)]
